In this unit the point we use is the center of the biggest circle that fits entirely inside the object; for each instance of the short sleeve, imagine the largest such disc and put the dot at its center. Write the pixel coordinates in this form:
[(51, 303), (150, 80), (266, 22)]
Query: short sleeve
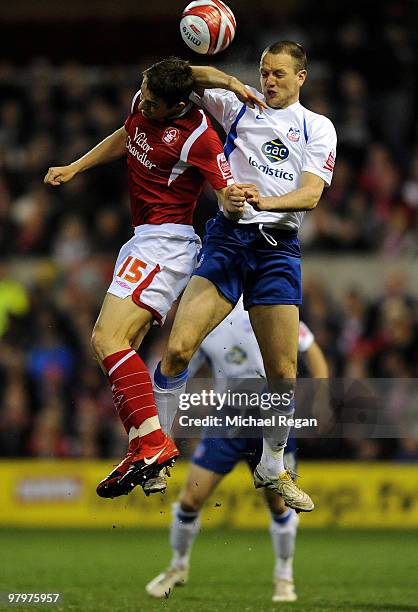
[(207, 154), (306, 337), (320, 151), (222, 104)]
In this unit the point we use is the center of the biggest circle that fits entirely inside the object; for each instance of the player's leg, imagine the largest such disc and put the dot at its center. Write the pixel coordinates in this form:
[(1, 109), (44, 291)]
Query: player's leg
[(200, 483), (214, 289), (283, 524), (150, 272), (202, 307), (283, 529), (120, 326), (276, 327)]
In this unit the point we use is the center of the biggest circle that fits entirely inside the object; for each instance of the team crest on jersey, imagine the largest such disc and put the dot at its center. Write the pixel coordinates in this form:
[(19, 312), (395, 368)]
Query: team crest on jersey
[(293, 134), (236, 355), (171, 135), (275, 151)]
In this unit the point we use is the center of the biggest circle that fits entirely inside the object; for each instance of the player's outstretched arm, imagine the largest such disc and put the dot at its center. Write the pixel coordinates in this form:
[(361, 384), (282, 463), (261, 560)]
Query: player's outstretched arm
[(306, 197), (207, 77), (112, 147)]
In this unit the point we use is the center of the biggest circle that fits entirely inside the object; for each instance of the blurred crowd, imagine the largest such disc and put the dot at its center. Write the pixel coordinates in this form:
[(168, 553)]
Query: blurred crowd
[(55, 401), (58, 246)]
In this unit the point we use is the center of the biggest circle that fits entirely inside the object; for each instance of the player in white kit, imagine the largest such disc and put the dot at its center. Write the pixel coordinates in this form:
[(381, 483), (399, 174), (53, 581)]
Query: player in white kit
[(288, 152), (232, 352)]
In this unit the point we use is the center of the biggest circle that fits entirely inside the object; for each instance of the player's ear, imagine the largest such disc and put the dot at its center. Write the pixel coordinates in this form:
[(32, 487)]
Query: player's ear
[(302, 76)]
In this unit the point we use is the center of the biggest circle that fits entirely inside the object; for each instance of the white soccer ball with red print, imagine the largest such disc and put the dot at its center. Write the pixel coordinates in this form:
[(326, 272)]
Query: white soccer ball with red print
[(207, 26)]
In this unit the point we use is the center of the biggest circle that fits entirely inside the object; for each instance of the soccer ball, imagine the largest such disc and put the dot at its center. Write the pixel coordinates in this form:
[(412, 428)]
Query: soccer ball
[(207, 26)]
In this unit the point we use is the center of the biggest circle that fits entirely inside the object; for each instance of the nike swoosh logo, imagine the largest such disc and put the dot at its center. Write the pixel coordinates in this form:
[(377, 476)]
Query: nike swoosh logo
[(259, 117), (153, 459)]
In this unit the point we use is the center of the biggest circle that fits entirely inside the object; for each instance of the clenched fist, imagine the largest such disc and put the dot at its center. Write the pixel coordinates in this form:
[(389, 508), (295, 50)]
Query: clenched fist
[(60, 174)]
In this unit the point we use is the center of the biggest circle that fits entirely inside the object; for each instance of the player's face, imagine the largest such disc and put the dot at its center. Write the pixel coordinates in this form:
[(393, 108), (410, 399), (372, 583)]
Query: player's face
[(156, 108), (280, 82)]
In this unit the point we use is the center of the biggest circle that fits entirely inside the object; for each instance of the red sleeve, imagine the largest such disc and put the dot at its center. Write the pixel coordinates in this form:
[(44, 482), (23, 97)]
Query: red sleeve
[(207, 154)]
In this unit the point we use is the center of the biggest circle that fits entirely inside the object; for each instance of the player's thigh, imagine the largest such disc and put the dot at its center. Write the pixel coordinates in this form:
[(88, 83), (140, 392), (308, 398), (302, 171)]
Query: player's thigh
[(199, 485), (202, 307), (277, 329), (119, 324)]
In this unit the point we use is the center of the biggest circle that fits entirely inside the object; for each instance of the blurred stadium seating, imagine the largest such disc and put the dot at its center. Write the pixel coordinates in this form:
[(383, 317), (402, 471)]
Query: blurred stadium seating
[(73, 84)]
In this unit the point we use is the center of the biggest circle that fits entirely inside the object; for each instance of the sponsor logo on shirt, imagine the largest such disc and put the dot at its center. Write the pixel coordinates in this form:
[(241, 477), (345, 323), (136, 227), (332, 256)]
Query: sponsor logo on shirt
[(279, 173), (224, 166), (293, 134), (171, 135), (275, 151), (138, 147), (330, 163)]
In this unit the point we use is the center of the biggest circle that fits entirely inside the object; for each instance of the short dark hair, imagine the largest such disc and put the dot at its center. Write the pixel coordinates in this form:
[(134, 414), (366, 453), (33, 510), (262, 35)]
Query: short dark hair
[(171, 80), (295, 50)]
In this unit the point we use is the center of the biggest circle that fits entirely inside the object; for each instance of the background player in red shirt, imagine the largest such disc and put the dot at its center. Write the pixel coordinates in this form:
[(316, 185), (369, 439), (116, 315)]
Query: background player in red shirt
[(171, 149)]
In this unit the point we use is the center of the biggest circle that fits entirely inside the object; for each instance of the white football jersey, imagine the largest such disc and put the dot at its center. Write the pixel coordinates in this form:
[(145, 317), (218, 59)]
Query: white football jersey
[(271, 149), (232, 349)]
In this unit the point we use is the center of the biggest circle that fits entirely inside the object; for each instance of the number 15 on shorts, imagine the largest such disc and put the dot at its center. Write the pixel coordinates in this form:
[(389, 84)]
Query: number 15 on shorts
[(132, 269)]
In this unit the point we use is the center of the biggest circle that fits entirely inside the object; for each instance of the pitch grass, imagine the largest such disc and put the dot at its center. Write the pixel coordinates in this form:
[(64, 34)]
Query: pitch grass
[(106, 571)]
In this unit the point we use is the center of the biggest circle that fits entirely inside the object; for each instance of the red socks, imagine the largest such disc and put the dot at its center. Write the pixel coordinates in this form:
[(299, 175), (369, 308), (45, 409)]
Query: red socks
[(133, 396)]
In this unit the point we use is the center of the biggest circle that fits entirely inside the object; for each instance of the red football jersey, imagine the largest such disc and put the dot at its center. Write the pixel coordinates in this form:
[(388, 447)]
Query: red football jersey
[(168, 163)]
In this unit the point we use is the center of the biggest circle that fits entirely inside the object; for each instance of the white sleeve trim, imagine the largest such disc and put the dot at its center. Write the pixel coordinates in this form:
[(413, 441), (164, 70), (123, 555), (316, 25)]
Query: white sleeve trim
[(326, 176), (134, 99)]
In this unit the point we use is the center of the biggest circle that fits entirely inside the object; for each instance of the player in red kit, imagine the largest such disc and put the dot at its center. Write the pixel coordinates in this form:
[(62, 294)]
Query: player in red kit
[(171, 149)]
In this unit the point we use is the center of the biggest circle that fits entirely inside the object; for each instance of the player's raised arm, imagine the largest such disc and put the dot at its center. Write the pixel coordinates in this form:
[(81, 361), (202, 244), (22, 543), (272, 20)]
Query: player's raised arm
[(112, 147), (207, 77)]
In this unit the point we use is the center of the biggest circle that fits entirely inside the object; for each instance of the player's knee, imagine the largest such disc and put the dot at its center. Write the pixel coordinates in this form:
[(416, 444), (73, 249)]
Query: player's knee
[(102, 343), (282, 368), (190, 502)]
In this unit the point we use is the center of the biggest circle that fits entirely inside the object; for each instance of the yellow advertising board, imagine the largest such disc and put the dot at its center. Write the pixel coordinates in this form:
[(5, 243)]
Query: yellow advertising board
[(349, 495)]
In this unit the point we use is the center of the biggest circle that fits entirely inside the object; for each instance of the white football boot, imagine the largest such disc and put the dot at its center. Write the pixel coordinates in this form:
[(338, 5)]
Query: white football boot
[(164, 583), (284, 485), (284, 590), (157, 484)]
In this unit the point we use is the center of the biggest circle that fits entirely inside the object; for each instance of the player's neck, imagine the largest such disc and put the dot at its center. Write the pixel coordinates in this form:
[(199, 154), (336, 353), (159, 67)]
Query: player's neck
[(286, 104), (183, 112)]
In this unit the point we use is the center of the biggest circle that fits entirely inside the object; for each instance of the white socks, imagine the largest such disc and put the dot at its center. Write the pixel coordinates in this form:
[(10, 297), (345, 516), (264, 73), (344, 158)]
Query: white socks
[(283, 529), (184, 529), (272, 460)]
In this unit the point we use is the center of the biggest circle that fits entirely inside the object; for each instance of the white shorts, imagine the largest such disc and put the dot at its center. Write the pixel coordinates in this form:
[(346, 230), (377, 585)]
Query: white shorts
[(155, 266)]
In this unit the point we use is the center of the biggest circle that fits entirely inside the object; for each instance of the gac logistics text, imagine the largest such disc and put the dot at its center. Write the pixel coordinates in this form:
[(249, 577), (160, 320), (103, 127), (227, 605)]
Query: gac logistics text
[(235, 399)]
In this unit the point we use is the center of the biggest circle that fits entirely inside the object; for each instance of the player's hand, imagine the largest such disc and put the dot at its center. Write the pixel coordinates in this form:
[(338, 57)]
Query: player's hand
[(245, 95), (233, 202), (252, 195), (59, 174)]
